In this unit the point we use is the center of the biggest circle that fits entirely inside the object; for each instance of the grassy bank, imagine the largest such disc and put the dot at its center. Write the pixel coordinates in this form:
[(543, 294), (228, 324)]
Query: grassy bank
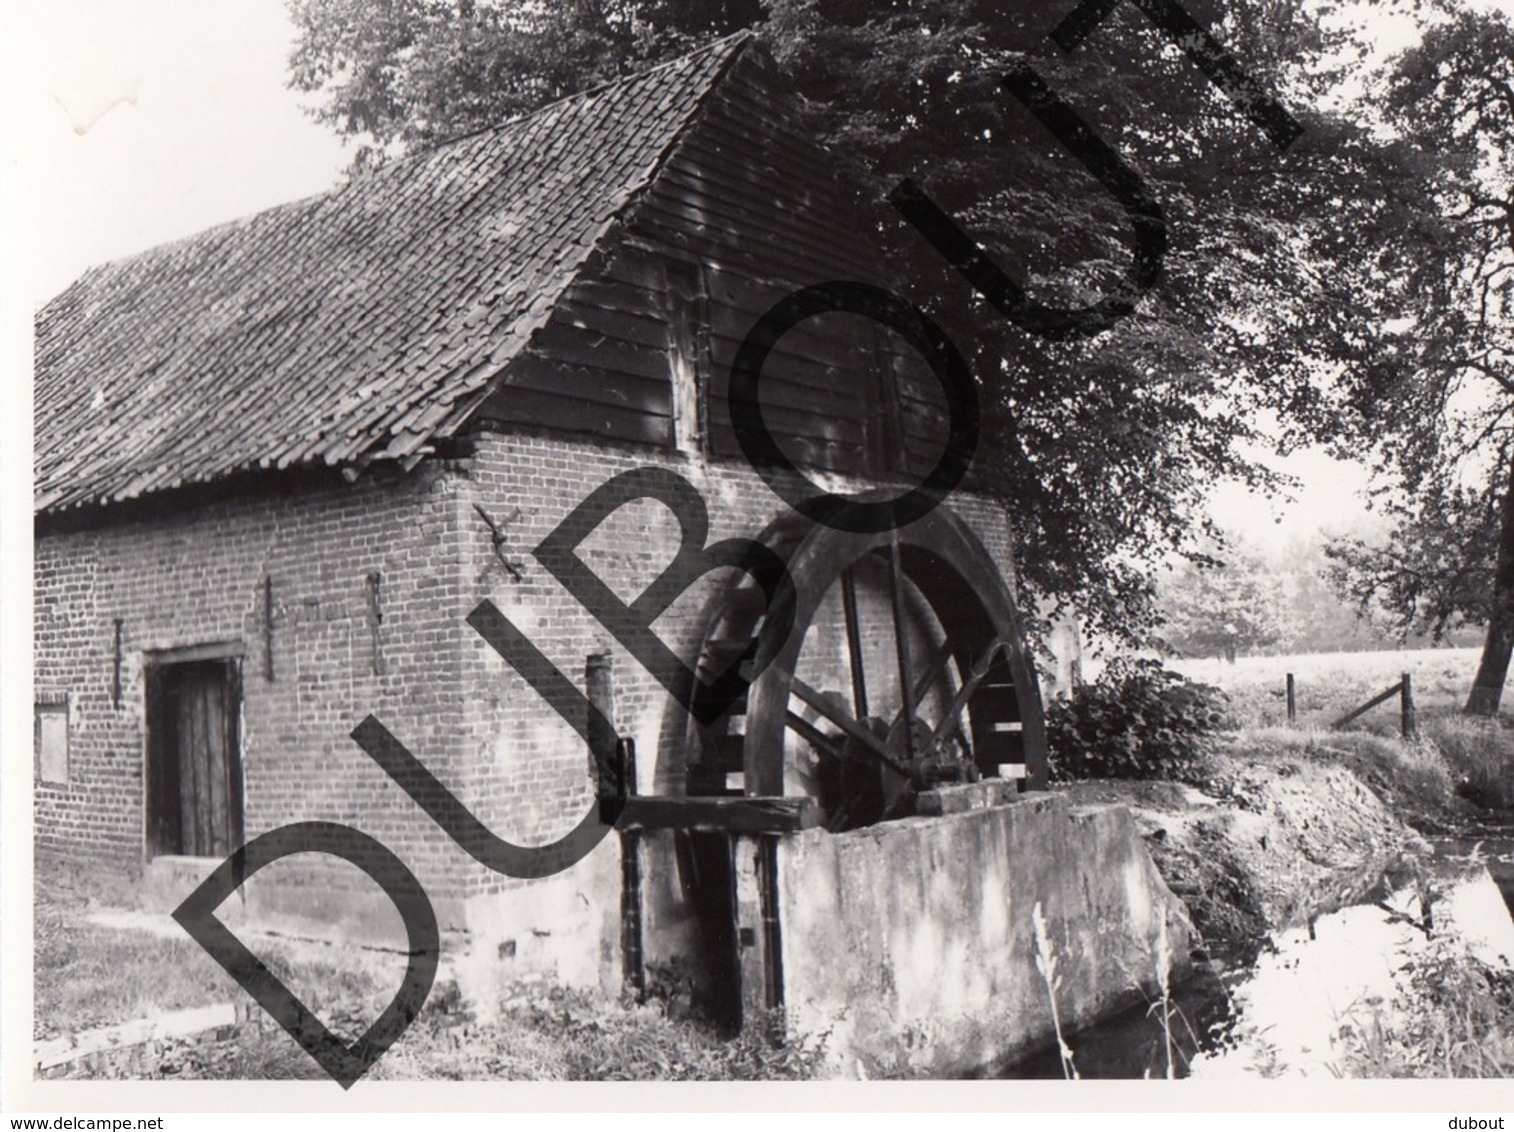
[(1282, 826), (1477, 754), (91, 975)]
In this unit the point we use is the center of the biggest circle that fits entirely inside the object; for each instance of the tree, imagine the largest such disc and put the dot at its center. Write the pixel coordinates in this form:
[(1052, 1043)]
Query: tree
[(1430, 573), (1439, 413), (1227, 610), (400, 74), (1104, 447)]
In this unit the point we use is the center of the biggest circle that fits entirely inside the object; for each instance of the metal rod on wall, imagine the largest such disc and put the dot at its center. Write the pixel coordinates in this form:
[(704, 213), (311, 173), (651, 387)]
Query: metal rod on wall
[(115, 678), (375, 618), (599, 682), (268, 627)]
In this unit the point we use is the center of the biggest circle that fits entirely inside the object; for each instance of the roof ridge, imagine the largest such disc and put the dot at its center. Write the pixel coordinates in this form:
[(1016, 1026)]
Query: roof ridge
[(735, 41)]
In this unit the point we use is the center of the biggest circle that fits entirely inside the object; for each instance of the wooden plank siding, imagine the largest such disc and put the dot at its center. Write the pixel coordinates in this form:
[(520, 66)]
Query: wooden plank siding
[(744, 212), (601, 364)]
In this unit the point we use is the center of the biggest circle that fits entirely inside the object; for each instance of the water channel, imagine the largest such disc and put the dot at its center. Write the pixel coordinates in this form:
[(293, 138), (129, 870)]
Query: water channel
[(1280, 1010)]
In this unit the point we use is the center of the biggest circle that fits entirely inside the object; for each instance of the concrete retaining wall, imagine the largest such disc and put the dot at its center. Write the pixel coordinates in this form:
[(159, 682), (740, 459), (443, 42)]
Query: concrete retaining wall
[(913, 942)]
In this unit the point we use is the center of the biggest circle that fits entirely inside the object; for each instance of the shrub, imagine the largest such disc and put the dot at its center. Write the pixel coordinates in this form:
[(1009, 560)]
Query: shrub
[(1454, 1018), (1138, 720)]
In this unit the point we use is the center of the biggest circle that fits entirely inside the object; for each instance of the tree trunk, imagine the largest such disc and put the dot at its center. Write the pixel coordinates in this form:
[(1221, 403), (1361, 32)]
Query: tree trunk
[(1493, 669)]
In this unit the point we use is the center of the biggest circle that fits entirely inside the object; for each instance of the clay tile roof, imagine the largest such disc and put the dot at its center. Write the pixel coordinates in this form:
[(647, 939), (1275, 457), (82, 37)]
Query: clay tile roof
[(353, 326)]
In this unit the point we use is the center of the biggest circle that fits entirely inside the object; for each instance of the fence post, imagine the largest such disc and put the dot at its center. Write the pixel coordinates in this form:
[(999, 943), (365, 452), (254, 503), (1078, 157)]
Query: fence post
[(1406, 708), (1292, 702)]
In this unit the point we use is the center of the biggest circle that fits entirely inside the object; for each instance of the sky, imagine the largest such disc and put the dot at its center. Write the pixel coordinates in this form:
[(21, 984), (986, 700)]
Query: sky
[(132, 122), (146, 120)]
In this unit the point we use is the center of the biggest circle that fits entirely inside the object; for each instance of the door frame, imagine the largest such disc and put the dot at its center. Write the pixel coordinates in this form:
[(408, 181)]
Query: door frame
[(154, 663)]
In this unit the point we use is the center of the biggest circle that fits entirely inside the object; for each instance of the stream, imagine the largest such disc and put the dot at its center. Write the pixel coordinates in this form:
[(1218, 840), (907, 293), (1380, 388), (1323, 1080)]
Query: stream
[(1495, 846), (1282, 1012)]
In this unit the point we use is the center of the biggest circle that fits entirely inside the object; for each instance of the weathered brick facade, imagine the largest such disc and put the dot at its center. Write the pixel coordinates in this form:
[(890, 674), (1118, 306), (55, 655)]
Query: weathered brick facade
[(201, 575)]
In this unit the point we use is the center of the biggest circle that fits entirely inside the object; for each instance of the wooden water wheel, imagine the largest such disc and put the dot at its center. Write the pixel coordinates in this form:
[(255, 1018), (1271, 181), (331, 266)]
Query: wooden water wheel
[(906, 668)]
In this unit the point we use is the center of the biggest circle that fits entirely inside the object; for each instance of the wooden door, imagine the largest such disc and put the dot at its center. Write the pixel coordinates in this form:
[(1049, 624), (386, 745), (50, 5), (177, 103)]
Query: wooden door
[(197, 781)]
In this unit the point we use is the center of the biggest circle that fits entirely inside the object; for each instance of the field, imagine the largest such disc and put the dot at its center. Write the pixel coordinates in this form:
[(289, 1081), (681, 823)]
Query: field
[(1328, 685)]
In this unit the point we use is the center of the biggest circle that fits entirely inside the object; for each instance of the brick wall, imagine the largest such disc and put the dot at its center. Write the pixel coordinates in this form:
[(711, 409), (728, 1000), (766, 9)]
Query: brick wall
[(198, 576)]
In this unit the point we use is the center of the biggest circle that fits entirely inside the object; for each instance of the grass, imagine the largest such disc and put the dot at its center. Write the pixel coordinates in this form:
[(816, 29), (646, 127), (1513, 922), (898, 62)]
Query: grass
[(1480, 754), (1046, 964), (90, 975), (1328, 685), (1414, 779), (551, 1034), (567, 1035), (1452, 756), (1454, 753), (87, 975)]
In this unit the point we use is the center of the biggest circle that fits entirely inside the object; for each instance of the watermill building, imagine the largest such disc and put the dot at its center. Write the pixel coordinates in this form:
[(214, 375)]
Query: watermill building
[(279, 464)]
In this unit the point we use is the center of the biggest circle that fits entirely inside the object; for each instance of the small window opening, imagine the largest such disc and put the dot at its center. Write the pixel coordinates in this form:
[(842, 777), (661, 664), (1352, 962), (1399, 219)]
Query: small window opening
[(51, 738)]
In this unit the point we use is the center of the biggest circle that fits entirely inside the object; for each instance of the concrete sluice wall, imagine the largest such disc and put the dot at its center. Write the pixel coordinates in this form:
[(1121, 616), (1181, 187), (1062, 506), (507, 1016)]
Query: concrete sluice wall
[(912, 945), (906, 948)]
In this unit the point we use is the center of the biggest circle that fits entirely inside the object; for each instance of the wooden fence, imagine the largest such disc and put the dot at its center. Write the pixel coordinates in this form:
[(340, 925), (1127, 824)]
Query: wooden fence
[(1404, 690)]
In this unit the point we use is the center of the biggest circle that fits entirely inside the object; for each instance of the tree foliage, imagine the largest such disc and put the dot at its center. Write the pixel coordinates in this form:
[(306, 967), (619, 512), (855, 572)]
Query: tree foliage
[(1435, 405), (1225, 609), (1430, 573), (395, 75), (1105, 447), (1102, 448)]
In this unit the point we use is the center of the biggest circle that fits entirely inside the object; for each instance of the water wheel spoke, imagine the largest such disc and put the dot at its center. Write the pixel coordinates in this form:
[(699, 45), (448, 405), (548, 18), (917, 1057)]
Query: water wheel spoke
[(850, 727), (976, 676), (813, 735), (922, 687), (932, 672), (901, 644), (854, 642)]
